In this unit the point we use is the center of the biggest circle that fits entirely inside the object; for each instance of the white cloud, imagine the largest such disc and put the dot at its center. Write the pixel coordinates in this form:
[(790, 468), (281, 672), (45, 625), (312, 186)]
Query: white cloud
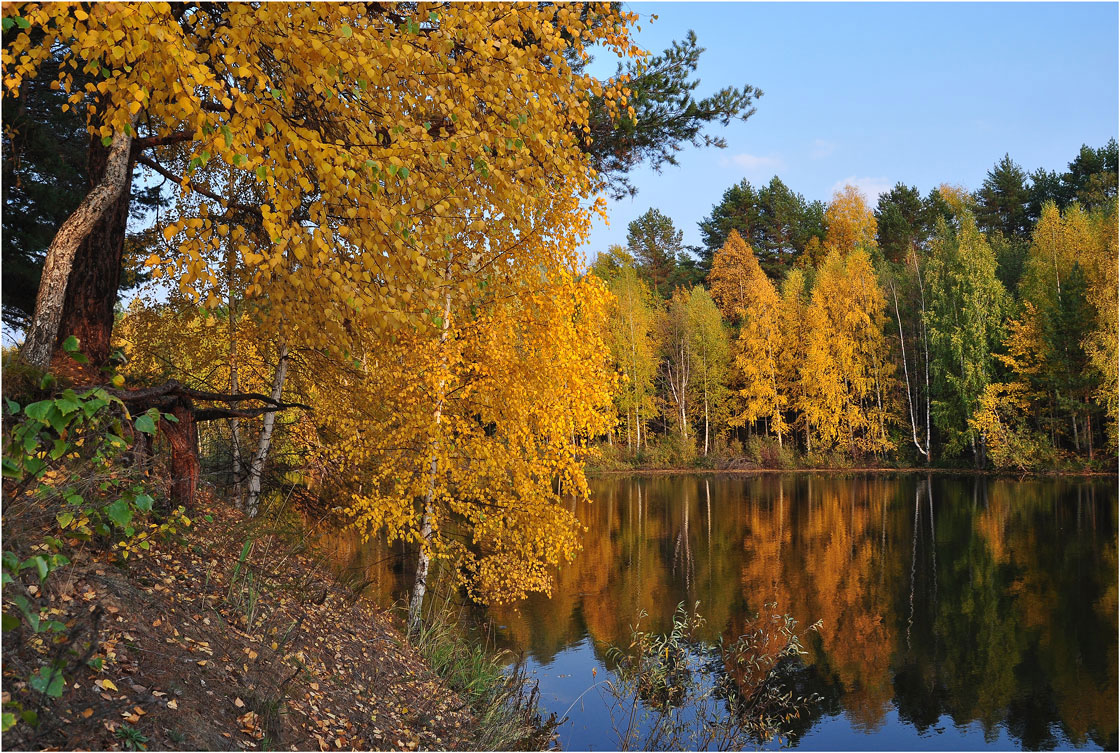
[(754, 165), (870, 187), (822, 148)]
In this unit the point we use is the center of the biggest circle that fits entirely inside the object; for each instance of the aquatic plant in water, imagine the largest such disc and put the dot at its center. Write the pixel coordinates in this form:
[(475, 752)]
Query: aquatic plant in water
[(673, 691)]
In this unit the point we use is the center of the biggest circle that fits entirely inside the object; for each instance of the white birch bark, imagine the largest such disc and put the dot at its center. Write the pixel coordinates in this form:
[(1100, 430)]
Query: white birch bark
[(256, 464), (423, 559)]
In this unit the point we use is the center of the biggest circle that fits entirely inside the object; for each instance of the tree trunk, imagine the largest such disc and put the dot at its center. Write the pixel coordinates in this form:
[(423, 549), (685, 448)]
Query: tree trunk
[(91, 295), (59, 265), (236, 462), (256, 467), (423, 559), (236, 466), (183, 438), (1089, 427), (705, 421)]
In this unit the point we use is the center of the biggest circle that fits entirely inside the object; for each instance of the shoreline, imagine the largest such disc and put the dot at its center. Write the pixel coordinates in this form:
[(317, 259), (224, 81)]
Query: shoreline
[(593, 472)]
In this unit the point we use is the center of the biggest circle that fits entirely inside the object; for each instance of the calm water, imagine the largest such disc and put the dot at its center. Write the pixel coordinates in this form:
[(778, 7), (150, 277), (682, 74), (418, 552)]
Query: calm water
[(957, 613)]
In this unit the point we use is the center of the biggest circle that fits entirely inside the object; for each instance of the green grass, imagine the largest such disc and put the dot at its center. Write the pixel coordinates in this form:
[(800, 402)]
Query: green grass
[(502, 701)]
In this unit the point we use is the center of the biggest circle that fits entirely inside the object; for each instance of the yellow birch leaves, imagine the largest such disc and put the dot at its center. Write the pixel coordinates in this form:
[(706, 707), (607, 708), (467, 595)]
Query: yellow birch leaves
[(372, 135)]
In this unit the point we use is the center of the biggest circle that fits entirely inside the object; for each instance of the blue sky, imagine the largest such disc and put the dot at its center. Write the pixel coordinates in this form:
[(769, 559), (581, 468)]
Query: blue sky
[(875, 93)]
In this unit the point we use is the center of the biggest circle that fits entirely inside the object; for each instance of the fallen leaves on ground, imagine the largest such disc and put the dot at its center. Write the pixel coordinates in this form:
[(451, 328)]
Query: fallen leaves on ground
[(198, 651)]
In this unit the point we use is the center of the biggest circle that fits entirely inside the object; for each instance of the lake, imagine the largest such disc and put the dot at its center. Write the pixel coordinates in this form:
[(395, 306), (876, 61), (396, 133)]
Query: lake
[(955, 612)]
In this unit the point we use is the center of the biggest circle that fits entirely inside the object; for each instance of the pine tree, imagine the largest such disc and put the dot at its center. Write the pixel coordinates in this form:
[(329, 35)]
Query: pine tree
[(656, 246), (1002, 203), (898, 217)]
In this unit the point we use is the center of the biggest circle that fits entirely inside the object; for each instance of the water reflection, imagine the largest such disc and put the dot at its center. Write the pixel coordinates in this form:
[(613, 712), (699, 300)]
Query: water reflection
[(955, 611)]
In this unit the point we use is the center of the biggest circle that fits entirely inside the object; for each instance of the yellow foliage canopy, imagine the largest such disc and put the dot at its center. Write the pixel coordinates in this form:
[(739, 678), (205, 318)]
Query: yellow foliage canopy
[(373, 136), (730, 276), (850, 221)]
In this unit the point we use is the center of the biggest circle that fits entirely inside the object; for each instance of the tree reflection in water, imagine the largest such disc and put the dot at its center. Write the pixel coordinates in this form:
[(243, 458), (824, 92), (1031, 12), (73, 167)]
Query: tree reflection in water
[(948, 604)]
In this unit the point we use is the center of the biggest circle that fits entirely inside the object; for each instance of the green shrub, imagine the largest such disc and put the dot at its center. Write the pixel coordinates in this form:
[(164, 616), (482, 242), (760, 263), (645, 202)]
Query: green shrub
[(66, 482)]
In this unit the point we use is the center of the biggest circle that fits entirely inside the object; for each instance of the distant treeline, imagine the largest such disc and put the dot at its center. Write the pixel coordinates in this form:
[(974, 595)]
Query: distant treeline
[(951, 327)]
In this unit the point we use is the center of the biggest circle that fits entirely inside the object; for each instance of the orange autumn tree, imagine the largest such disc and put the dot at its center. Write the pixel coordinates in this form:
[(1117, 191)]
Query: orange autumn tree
[(487, 424), (730, 276), (850, 222), (845, 388), (846, 382), (759, 349), (793, 314)]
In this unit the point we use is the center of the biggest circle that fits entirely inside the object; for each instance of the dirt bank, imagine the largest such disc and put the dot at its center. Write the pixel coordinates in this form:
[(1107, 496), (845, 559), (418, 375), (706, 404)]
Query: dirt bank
[(226, 639)]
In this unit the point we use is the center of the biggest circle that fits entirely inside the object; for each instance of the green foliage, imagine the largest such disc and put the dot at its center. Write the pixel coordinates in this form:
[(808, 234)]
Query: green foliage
[(1002, 202), (44, 180), (666, 115), (777, 223), (131, 738), (900, 221), (967, 321), (711, 362), (62, 457), (657, 247), (632, 347)]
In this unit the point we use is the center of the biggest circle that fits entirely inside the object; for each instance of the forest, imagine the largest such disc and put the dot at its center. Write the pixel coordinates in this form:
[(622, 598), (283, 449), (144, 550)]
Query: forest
[(332, 256), (952, 329)]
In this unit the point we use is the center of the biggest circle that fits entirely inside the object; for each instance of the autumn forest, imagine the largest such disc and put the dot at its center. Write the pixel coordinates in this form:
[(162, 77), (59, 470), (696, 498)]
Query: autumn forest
[(954, 328), (283, 275)]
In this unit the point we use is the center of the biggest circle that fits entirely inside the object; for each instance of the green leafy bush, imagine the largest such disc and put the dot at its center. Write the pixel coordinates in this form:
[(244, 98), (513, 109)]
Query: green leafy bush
[(68, 481)]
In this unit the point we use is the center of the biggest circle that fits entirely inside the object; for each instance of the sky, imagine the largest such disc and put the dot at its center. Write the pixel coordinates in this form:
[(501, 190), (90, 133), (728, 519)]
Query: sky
[(876, 93)]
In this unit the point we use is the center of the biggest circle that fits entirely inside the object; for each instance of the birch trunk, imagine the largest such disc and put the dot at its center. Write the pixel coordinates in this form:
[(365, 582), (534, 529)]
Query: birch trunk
[(256, 467), (705, 421), (424, 558), (236, 466)]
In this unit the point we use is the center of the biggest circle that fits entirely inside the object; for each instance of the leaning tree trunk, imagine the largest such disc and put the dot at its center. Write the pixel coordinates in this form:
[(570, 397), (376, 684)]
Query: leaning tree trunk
[(59, 264), (91, 294)]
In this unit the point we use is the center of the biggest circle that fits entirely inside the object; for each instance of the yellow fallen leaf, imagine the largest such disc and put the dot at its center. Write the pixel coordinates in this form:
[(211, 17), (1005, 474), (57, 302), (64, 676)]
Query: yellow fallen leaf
[(108, 684), (173, 704)]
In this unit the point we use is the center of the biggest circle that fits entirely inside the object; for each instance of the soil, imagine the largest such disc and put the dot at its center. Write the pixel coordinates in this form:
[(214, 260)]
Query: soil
[(202, 649)]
